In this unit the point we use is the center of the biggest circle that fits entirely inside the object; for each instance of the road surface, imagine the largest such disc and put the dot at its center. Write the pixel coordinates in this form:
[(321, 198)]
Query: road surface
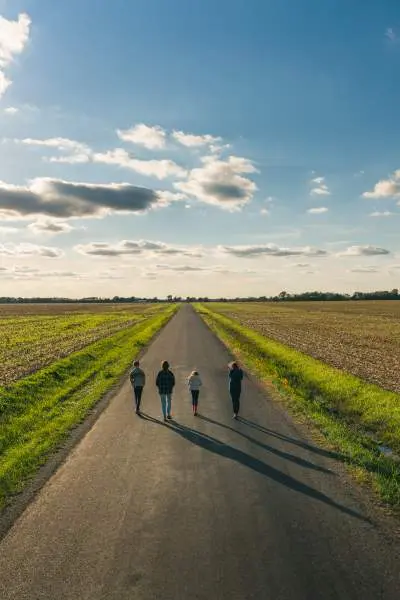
[(200, 508)]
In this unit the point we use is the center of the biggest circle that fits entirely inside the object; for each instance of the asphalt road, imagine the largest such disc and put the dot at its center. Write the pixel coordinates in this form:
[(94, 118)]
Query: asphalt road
[(200, 508)]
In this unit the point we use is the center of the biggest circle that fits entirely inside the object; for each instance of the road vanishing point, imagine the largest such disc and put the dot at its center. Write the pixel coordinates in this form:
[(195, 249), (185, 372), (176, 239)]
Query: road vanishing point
[(198, 508)]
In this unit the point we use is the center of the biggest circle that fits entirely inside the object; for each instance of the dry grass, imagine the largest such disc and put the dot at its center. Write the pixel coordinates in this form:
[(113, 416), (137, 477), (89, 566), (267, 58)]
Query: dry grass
[(361, 338)]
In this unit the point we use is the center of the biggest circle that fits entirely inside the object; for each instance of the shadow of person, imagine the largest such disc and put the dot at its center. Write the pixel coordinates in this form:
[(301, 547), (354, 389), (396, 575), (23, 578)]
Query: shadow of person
[(302, 462), (294, 441), (216, 446)]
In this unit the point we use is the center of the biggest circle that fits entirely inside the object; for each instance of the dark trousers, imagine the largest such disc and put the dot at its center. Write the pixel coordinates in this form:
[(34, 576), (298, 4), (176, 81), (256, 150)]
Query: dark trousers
[(138, 395), (235, 396), (195, 397)]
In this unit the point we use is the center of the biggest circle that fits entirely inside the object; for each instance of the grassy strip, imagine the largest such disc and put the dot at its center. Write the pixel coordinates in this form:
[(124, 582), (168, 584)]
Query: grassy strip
[(354, 417), (37, 413)]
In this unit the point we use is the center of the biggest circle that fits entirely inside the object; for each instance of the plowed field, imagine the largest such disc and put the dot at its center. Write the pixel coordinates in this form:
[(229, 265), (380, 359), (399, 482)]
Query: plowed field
[(361, 338)]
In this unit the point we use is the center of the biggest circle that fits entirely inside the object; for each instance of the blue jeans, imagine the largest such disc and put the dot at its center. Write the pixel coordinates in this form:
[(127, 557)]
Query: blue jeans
[(165, 404)]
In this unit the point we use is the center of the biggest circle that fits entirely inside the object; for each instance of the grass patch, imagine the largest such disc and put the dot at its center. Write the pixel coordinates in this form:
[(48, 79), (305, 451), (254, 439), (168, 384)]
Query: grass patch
[(37, 412), (354, 417)]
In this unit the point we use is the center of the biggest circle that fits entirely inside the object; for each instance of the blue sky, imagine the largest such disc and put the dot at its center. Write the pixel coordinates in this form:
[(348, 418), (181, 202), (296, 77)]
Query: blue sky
[(198, 146)]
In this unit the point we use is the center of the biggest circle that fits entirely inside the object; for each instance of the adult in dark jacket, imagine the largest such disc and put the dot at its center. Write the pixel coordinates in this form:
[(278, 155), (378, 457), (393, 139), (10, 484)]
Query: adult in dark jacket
[(138, 381), (165, 382), (235, 387)]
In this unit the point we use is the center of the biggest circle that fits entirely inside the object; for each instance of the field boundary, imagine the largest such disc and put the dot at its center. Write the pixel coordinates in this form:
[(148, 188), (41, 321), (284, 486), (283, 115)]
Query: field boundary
[(352, 442), (18, 503)]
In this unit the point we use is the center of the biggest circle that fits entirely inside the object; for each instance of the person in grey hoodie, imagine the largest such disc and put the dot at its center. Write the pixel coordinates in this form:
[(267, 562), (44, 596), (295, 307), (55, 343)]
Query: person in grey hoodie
[(138, 380)]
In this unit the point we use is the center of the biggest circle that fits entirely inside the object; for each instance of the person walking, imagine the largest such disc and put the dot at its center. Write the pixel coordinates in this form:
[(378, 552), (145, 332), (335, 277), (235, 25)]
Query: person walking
[(194, 383), (138, 380), (235, 387), (165, 382)]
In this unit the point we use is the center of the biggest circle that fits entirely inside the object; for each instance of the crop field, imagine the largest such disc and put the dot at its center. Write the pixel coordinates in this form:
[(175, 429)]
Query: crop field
[(335, 366), (56, 362), (361, 337), (33, 336)]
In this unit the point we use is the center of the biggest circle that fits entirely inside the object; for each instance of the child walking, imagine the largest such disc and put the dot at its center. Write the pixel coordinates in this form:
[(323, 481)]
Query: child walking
[(194, 383)]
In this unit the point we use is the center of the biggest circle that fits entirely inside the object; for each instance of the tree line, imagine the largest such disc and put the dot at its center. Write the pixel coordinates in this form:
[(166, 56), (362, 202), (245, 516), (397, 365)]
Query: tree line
[(282, 296)]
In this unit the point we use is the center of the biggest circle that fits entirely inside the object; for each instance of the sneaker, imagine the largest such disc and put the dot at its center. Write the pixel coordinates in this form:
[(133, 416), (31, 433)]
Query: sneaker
[(165, 418), (234, 416), (169, 417), (195, 414)]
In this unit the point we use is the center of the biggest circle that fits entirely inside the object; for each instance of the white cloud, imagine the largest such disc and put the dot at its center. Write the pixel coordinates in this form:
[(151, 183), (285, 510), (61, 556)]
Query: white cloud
[(271, 250), (6, 230), (11, 110), (221, 182), (14, 36), (134, 248), (318, 210), (264, 211), (29, 250), (364, 270), (60, 199), (319, 187), (385, 213), (50, 227), (364, 251), (191, 140), (152, 138), (386, 188), (390, 34), (77, 152), (161, 169)]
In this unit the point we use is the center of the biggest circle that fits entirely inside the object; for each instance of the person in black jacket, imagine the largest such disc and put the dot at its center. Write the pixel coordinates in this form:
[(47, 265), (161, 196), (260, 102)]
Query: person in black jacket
[(235, 387), (165, 382)]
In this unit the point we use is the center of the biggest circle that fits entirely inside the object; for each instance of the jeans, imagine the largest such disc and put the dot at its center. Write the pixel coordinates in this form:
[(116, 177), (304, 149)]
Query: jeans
[(195, 397), (235, 396), (138, 395), (165, 404)]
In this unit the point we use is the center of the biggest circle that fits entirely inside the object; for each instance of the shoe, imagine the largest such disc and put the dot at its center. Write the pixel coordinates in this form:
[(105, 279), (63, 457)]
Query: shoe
[(169, 417), (165, 418), (195, 414), (235, 416)]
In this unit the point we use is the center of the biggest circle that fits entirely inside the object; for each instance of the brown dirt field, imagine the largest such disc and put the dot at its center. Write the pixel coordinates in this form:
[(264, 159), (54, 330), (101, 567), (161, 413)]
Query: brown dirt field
[(361, 338)]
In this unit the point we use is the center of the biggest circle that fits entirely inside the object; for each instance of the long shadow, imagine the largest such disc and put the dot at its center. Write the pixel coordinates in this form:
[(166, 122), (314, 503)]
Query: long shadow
[(294, 441), (225, 450), (295, 459)]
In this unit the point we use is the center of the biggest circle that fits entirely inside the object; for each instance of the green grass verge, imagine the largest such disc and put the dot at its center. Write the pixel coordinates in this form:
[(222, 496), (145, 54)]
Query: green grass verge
[(37, 412), (354, 417)]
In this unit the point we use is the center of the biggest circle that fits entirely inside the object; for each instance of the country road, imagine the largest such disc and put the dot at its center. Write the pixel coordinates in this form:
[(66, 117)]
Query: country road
[(198, 508)]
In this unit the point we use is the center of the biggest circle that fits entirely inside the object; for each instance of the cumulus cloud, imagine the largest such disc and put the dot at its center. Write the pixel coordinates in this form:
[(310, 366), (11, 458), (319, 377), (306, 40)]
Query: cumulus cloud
[(30, 250), (319, 187), (152, 138), (318, 210), (64, 199), (14, 36), (191, 140), (133, 248), (264, 211), (161, 169), (364, 251), (271, 250), (221, 182), (386, 188), (50, 226)]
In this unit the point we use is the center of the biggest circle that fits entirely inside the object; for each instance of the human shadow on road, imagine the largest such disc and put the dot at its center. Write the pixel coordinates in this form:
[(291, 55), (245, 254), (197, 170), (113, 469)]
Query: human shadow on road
[(295, 459), (294, 441), (230, 452)]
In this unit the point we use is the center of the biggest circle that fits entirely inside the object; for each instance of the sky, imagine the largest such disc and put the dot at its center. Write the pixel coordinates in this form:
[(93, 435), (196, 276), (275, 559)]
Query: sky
[(199, 147)]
